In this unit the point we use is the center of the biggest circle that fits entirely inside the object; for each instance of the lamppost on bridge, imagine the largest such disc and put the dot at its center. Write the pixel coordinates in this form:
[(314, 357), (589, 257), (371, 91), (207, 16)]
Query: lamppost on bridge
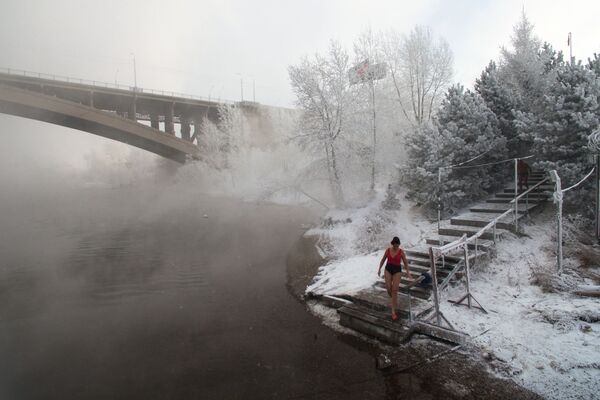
[(134, 74), (241, 85)]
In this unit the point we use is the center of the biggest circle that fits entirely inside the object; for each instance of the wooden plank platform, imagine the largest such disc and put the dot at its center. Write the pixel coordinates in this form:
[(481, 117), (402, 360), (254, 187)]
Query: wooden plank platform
[(439, 332), (379, 325), (375, 324)]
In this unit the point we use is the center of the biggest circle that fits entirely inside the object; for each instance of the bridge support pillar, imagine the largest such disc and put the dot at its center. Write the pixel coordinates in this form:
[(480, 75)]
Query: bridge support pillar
[(169, 126), (91, 99), (197, 128), (185, 128), (154, 121), (132, 110)]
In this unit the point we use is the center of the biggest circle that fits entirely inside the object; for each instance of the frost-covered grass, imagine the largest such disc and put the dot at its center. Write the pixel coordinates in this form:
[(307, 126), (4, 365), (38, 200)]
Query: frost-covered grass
[(543, 336), (367, 231), (540, 339)]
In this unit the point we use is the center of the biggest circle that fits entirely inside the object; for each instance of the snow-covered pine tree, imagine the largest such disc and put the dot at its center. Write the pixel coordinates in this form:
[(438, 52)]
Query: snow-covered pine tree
[(420, 174), (463, 129), (524, 76), (569, 113), (522, 70), (594, 64), (468, 128), (501, 102)]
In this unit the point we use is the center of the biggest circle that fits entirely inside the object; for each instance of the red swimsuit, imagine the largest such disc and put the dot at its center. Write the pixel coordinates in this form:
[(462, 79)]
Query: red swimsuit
[(394, 264)]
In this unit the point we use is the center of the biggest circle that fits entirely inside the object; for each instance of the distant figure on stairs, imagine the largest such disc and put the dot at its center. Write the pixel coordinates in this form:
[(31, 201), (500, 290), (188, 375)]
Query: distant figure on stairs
[(523, 170), (393, 271)]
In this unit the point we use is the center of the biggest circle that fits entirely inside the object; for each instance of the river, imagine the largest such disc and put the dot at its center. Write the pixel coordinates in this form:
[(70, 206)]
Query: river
[(161, 292)]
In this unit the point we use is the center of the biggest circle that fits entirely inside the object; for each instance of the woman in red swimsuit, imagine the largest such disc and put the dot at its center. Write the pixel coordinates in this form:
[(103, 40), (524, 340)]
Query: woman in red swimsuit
[(393, 271)]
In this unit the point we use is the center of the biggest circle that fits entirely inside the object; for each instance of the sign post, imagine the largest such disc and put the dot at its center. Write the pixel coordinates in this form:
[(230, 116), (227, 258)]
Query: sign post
[(367, 72)]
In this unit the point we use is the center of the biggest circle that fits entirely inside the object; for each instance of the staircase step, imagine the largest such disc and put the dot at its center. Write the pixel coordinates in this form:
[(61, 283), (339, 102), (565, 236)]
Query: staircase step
[(508, 200), (482, 244), (499, 208), (457, 231), (422, 265), (480, 220), (416, 291), (424, 253), (447, 265), (531, 196), (542, 188)]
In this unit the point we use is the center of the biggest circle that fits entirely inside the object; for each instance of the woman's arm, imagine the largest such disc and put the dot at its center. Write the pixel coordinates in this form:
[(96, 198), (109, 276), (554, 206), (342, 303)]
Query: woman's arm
[(405, 264), (381, 262)]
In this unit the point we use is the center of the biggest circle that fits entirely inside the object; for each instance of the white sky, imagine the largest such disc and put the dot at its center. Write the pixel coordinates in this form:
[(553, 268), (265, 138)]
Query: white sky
[(206, 47)]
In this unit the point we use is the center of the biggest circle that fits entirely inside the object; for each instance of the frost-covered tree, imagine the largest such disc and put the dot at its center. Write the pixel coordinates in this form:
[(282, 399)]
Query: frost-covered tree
[(519, 83), (568, 114), (219, 140), (325, 98), (594, 64), (420, 68), (464, 128), (500, 101), (522, 70), (420, 173)]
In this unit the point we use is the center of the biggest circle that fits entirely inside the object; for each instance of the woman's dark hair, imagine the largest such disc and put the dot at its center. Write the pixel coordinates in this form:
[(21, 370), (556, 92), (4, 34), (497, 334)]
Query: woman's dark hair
[(396, 240)]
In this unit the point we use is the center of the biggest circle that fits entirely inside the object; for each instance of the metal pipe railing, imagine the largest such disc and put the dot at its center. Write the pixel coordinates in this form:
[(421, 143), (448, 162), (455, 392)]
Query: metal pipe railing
[(441, 250), (100, 84)]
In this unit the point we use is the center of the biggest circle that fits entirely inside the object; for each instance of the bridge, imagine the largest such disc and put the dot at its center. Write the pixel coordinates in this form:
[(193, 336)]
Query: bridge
[(113, 111)]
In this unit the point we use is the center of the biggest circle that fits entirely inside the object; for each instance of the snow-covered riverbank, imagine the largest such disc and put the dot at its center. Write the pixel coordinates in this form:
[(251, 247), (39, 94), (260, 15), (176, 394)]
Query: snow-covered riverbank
[(546, 342)]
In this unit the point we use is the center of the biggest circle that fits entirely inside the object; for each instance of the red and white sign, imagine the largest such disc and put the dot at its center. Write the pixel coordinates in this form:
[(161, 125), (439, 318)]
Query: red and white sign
[(366, 72)]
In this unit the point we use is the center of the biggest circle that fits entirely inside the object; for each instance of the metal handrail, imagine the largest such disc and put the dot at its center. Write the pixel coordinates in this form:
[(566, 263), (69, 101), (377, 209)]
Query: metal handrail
[(529, 190), (100, 84), (447, 248)]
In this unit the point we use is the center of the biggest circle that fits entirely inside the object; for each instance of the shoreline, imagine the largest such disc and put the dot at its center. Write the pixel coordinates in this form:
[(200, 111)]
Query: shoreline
[(456, 375)]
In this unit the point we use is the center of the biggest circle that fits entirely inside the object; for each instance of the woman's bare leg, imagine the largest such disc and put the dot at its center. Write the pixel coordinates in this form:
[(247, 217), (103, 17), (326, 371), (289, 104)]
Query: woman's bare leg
[(388, 282), (395, 283)]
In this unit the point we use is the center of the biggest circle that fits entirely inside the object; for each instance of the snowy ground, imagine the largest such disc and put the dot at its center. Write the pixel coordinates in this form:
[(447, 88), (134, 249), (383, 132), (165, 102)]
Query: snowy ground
[(540, 337)]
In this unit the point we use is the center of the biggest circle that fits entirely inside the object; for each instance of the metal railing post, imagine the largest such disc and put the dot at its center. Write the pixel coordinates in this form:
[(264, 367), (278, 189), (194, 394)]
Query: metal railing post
[(516, 196), (410, 315), (436, 294), (466, 253)]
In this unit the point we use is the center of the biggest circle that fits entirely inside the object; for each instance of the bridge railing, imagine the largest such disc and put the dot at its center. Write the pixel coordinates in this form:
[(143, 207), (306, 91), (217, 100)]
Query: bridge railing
[(100, 84)]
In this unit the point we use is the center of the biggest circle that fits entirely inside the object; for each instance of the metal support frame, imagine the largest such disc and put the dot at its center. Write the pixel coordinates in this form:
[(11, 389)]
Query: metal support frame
[(468, 296), (438, 315)]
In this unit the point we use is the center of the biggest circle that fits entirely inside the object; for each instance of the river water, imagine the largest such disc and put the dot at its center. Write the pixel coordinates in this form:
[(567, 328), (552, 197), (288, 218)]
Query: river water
[(161, 293)]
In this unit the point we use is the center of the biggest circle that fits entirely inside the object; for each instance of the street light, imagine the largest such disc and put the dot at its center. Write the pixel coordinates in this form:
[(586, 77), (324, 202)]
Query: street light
[(241, 85), (134, 73)]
